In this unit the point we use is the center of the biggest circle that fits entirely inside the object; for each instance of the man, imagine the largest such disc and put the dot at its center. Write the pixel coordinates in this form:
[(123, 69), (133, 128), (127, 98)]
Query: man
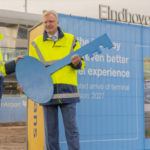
[(6, 69), (50, 47)]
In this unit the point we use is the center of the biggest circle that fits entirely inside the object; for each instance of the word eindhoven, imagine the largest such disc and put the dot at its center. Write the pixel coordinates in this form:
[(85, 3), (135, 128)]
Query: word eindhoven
[(123, 16)]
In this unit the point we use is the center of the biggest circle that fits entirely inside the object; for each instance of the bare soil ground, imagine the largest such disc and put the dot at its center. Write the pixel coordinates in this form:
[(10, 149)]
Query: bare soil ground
[(13, 136)]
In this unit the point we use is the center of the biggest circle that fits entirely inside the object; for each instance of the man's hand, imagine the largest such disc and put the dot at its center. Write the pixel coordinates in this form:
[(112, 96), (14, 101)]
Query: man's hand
[(75, 60), (20, 88), (19, 57)]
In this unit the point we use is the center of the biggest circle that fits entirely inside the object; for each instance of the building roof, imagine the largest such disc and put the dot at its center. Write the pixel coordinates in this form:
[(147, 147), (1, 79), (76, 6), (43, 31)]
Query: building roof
[(13, 17)]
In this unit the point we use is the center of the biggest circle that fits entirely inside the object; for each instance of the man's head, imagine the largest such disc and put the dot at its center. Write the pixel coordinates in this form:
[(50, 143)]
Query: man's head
[(50, 21)]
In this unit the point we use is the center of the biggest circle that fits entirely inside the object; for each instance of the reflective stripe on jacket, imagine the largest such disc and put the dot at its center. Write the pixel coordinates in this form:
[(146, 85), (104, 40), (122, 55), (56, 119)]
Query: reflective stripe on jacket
[(65, 79)]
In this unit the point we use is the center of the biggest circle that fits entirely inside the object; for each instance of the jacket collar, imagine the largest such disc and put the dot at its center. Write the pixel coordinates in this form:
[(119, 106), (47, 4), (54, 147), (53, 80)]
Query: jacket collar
[(60, 34)]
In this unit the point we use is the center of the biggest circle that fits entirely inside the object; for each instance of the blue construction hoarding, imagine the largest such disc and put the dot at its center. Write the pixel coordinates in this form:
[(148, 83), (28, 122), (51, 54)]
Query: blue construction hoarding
[(111, 112), (13, 110)]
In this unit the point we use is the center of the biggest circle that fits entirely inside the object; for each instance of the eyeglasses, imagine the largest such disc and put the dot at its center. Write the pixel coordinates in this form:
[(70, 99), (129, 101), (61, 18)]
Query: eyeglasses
[(50, 21)]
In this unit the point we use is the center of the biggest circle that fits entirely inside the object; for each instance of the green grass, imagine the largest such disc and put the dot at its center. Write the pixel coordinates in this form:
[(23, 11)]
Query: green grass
[(147, 67), (146, 74), (146, 59), (147, 133)]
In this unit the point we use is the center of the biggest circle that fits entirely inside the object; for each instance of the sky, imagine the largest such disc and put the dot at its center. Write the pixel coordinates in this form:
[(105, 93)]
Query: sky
[(89, 8)]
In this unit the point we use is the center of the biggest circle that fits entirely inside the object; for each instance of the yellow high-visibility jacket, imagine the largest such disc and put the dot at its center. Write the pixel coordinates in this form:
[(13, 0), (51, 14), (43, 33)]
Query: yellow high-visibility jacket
[(5, 69), (2, 64), (2, 71), (65, 79)]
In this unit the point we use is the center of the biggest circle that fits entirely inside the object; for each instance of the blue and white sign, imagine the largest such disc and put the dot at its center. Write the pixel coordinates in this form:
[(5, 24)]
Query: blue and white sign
[(111, 112), (13, 110)]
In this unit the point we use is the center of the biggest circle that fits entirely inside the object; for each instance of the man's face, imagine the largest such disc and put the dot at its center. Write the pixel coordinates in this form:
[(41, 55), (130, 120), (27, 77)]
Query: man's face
[(50, 24)]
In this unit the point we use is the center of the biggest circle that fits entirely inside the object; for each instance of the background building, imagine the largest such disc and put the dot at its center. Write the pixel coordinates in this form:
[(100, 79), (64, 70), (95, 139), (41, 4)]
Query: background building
[(14, 26)]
